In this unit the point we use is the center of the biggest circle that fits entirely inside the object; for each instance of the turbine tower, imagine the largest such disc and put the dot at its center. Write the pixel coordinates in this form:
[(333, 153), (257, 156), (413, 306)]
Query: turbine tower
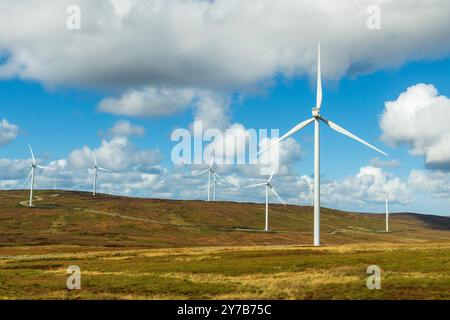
[(386, 197), (268, 186), (317, 118), (31, 175), (94, 173)]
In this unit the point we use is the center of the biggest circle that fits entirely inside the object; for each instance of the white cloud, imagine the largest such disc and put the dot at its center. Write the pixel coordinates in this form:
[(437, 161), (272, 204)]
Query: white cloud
[(212, 110), (8, 132), (117, 154), (149, 102), (420, 118), (357, 192), (235, 150), (435, 182), (124, 128), (14, 169), (222, 44), (362, 188)]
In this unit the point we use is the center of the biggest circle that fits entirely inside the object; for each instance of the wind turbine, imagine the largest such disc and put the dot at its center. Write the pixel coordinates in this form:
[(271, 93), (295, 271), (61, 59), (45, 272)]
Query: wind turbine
[(212, 172), (216, 181), (31, 175), (317, 118), (386, 196), (268, 186), (94, 173)]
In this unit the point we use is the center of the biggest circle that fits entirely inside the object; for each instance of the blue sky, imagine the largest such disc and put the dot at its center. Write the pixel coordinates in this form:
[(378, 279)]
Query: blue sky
[(57, 109)]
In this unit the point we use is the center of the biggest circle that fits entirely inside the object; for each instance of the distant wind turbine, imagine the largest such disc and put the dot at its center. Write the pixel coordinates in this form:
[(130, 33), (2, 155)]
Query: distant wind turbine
[(317, 118), (268, 186), (94, 173), (214, 174), (216, 181), (34, 165), (386, 197)]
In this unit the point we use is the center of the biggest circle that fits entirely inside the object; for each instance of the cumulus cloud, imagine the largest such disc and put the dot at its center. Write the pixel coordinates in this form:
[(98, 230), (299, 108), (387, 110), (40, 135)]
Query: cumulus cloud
[(435, 182), (134, 171), (117, 154), (356, 191), (8, 132), (213, 111), (362, 188), (223, 44), (149, 102), (124, 128), (14, 169), (181, 182), (235, 150), (210, 108), (420, 118)]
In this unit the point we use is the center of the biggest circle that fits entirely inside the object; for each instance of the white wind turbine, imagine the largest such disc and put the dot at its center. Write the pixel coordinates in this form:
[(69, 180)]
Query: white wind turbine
[(216, 181), (386, 197), (214, 174), (317, 118), (94, 173), (31, 175), (268, 186)]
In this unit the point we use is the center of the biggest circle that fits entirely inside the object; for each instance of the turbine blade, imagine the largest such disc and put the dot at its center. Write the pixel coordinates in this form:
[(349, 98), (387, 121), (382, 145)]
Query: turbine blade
[(220, 183), (211, 161), (275, 193), (220, 177), (256, 185), (43, 167), (295, 129), (103, 169), (95, 159), (29, 176), (271, 175), (203, 172), (319, 79), (341, 130), (32, 155)]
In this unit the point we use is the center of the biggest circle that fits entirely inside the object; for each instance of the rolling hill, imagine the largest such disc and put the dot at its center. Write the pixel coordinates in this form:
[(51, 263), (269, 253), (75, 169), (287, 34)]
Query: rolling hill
[(77, 218)]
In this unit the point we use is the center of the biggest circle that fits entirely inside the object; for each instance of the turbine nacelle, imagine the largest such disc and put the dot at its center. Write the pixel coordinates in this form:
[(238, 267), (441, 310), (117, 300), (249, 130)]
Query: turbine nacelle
[(316, 112)]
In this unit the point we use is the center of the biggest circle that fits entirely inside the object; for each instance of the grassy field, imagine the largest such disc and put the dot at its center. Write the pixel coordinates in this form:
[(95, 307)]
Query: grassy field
[(131, 248)]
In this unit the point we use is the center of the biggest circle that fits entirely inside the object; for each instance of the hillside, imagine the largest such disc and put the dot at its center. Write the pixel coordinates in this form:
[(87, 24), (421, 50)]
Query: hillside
[(77, 218)]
